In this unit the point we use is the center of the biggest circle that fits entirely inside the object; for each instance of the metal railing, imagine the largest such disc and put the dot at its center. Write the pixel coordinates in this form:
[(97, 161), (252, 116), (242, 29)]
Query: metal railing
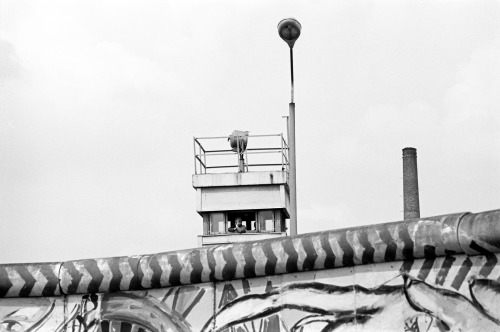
[(211, 157)]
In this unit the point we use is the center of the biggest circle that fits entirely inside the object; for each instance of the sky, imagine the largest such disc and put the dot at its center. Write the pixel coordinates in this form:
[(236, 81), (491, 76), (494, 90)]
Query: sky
[(100, 101)]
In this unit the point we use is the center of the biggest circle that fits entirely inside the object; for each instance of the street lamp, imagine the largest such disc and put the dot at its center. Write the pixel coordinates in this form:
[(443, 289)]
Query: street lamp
[(289, 31)]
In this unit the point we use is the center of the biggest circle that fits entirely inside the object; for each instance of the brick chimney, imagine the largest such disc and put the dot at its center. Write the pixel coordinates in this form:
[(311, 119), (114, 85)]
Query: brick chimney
[(410, 184)]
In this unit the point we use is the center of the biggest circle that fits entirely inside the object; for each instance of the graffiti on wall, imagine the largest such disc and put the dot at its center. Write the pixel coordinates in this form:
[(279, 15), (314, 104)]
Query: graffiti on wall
[(26, 318), (412, 306), (147, 311), (153, 311), (382, 299), (435, 274)]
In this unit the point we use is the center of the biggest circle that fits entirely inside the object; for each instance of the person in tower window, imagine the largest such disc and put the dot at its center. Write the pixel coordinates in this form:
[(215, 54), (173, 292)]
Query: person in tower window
[(240, 228)]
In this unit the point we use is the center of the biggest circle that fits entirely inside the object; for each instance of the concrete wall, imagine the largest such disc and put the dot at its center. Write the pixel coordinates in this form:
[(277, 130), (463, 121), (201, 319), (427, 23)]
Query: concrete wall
[(432, 274)]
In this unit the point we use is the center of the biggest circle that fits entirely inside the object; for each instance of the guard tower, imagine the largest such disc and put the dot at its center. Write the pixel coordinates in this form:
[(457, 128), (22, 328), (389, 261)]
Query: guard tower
[(233, 180)]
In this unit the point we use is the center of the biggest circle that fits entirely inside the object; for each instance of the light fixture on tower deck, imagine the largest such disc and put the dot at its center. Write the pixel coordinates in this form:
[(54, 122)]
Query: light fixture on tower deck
[(238, 141)]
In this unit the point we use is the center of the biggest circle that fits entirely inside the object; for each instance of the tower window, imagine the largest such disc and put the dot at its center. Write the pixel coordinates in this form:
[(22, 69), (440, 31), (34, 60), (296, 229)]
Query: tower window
[(217, 223), (266, 221), (247, 217)]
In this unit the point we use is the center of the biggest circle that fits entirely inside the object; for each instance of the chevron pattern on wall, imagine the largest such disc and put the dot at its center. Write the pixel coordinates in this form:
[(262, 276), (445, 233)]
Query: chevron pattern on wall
[(447, 235)]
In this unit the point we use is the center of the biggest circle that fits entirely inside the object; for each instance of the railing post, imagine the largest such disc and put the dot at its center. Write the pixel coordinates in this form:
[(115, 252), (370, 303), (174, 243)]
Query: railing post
[(194, 150), (282, 157)]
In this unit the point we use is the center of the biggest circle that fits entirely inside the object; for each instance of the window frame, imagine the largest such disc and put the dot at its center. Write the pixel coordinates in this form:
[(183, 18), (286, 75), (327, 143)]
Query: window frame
[(211, 223), (261, 221)]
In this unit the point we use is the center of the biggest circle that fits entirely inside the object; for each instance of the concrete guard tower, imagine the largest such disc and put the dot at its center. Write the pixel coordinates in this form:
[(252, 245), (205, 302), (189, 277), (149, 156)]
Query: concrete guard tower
[(228, 186)]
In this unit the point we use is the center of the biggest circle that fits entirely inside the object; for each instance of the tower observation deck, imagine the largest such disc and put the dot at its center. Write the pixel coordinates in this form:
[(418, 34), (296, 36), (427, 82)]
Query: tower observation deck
[(241, 184)]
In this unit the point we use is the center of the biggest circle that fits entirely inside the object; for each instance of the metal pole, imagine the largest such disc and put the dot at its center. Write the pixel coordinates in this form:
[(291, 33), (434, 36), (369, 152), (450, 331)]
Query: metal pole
[(293, 173), (293, 164), (289, 30), (291, 68)]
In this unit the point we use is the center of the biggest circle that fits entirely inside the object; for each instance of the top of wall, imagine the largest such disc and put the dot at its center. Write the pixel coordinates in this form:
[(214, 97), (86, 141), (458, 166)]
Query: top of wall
[(461, 233)]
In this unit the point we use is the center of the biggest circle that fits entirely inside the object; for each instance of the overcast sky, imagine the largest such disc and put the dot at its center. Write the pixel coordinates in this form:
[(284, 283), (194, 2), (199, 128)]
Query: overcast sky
[(100, 100)]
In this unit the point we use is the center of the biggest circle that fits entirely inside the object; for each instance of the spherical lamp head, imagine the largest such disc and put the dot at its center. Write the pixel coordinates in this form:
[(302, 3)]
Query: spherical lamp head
[(289, 30)]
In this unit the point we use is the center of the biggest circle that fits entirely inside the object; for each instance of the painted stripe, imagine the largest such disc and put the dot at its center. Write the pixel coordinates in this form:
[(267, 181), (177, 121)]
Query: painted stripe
[(211, 263), (29, 281), (194, 302), (430, 257), (166, 269), (293, 256), (281, 255), (75, 275), (408, 258), (390, 251), (260, 259), (175, 274), (445, 268), (319, 263), (301, 253), (145, 272), (271, 258), (311, 255), (229, 269), (394, 230), (105, 325), (334, 243), (245, 285), (369, 251), (197, 271), (219, 261), (240, 261), (136, 268), (5, 283), (117, 276), (103, 267), (462, 273), (348, 258), (378, 245), (491, 259), (205, 274), (127, 274), (17, 282), (352, 239), (249, 267), (186, 267), (156, 270), (41, 281), (51, 288), (330, 256), (96, 274), (176, 298), (86, 277)]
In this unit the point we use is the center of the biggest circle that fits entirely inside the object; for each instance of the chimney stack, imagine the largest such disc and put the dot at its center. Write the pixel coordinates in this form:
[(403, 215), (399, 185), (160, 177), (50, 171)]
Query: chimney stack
[(410, 184)]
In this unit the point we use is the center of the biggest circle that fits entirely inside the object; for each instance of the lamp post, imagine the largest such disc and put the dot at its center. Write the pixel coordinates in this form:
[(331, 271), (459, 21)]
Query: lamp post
[(289, 31)]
